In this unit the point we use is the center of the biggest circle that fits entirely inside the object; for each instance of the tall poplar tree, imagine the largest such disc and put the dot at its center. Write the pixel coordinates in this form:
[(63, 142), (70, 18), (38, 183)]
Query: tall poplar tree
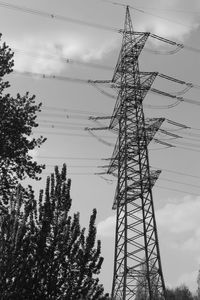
[(44, 252)]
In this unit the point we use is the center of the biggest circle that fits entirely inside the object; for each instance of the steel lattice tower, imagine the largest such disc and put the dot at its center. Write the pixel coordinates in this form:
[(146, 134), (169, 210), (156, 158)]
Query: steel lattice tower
[(137, 263)]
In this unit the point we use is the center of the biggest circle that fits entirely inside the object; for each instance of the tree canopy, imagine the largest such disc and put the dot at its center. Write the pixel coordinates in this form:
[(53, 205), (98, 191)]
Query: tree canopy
[(180, 293), (44, 252), (18, 119)]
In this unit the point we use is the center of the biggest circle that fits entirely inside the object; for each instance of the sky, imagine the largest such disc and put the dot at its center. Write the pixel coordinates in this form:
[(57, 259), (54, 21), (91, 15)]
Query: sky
[(41, 44)]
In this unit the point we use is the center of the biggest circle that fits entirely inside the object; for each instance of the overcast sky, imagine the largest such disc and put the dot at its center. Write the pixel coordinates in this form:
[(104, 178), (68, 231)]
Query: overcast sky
[(41, 43)]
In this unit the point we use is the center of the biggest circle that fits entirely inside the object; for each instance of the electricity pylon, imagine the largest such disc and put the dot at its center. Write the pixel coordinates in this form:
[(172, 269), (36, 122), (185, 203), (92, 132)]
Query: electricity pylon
[(137, 263)]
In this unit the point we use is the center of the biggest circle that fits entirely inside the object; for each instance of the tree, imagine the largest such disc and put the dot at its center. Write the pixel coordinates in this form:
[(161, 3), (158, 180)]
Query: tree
[(44, 253), (198, 286), (180, 293), (17, 120)]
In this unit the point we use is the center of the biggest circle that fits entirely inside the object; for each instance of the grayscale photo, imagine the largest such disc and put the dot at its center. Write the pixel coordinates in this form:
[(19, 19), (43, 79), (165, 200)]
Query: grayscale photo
[(100, 150)]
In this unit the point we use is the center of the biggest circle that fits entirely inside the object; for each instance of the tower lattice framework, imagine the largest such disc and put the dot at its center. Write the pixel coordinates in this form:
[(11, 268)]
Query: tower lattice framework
[(137, 263)]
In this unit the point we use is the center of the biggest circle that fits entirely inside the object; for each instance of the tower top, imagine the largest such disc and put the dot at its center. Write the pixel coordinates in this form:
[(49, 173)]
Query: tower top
[(128, 26)]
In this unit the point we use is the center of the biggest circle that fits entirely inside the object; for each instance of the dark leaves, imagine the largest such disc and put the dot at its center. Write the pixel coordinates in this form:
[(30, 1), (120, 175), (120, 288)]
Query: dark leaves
[(44, 253), (17, 121)]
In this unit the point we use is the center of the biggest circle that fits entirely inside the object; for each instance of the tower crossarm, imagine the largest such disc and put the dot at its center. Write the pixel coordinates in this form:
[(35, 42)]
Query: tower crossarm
[(132, 44), (144, 78), (151, 126), (99, 118), (134, 191), (96, 128), (131, 89)]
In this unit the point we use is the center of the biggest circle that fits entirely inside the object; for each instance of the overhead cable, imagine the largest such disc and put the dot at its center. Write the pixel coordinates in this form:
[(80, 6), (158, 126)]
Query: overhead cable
[(90, 24), (179, 182), (61, 58), (176, 190), (52, 16), (69, 157), (65, 109), (84, 81), (177, 172), (144, 12), (181, 99), (50, 76)]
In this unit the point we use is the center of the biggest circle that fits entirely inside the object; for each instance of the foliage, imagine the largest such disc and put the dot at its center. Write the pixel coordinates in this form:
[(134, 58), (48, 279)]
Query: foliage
[(198, 285), (17, 120), (179, 293), (44, 253)]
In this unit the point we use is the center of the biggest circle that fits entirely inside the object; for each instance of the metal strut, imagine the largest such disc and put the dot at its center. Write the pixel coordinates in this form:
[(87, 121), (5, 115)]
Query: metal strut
[(137, 264)]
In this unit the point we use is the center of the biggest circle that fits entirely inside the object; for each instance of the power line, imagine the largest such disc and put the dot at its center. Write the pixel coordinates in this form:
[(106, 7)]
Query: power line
[(85, 23), (77, 111), (102, 159), (44, 132), (84, 115), (186, 144), (72, 166), (180, 99), (141, 10), (89, 81), (52, 16), (99, 138), (71, 173), (71, 61), (70, 157), (163, 18), (162, 179), (82, 127), (95, 82), (176, 190), (66, 124), (54, 77), (64, 127), (173, 10), (50, 122), (156, 186), (97, 159), (63, 59), (174, 181), (169, 10), (188, 149), (179, 182), (87, 113), (66, 116), (162, 169), (193, 49), (178, 173)]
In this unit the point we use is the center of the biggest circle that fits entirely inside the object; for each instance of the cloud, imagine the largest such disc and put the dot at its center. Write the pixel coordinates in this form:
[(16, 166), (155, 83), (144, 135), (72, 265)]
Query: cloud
[(179, 234), (167, 18), (48, 55), (180, 217), (106, 228), (47, 50), (180, 224)]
